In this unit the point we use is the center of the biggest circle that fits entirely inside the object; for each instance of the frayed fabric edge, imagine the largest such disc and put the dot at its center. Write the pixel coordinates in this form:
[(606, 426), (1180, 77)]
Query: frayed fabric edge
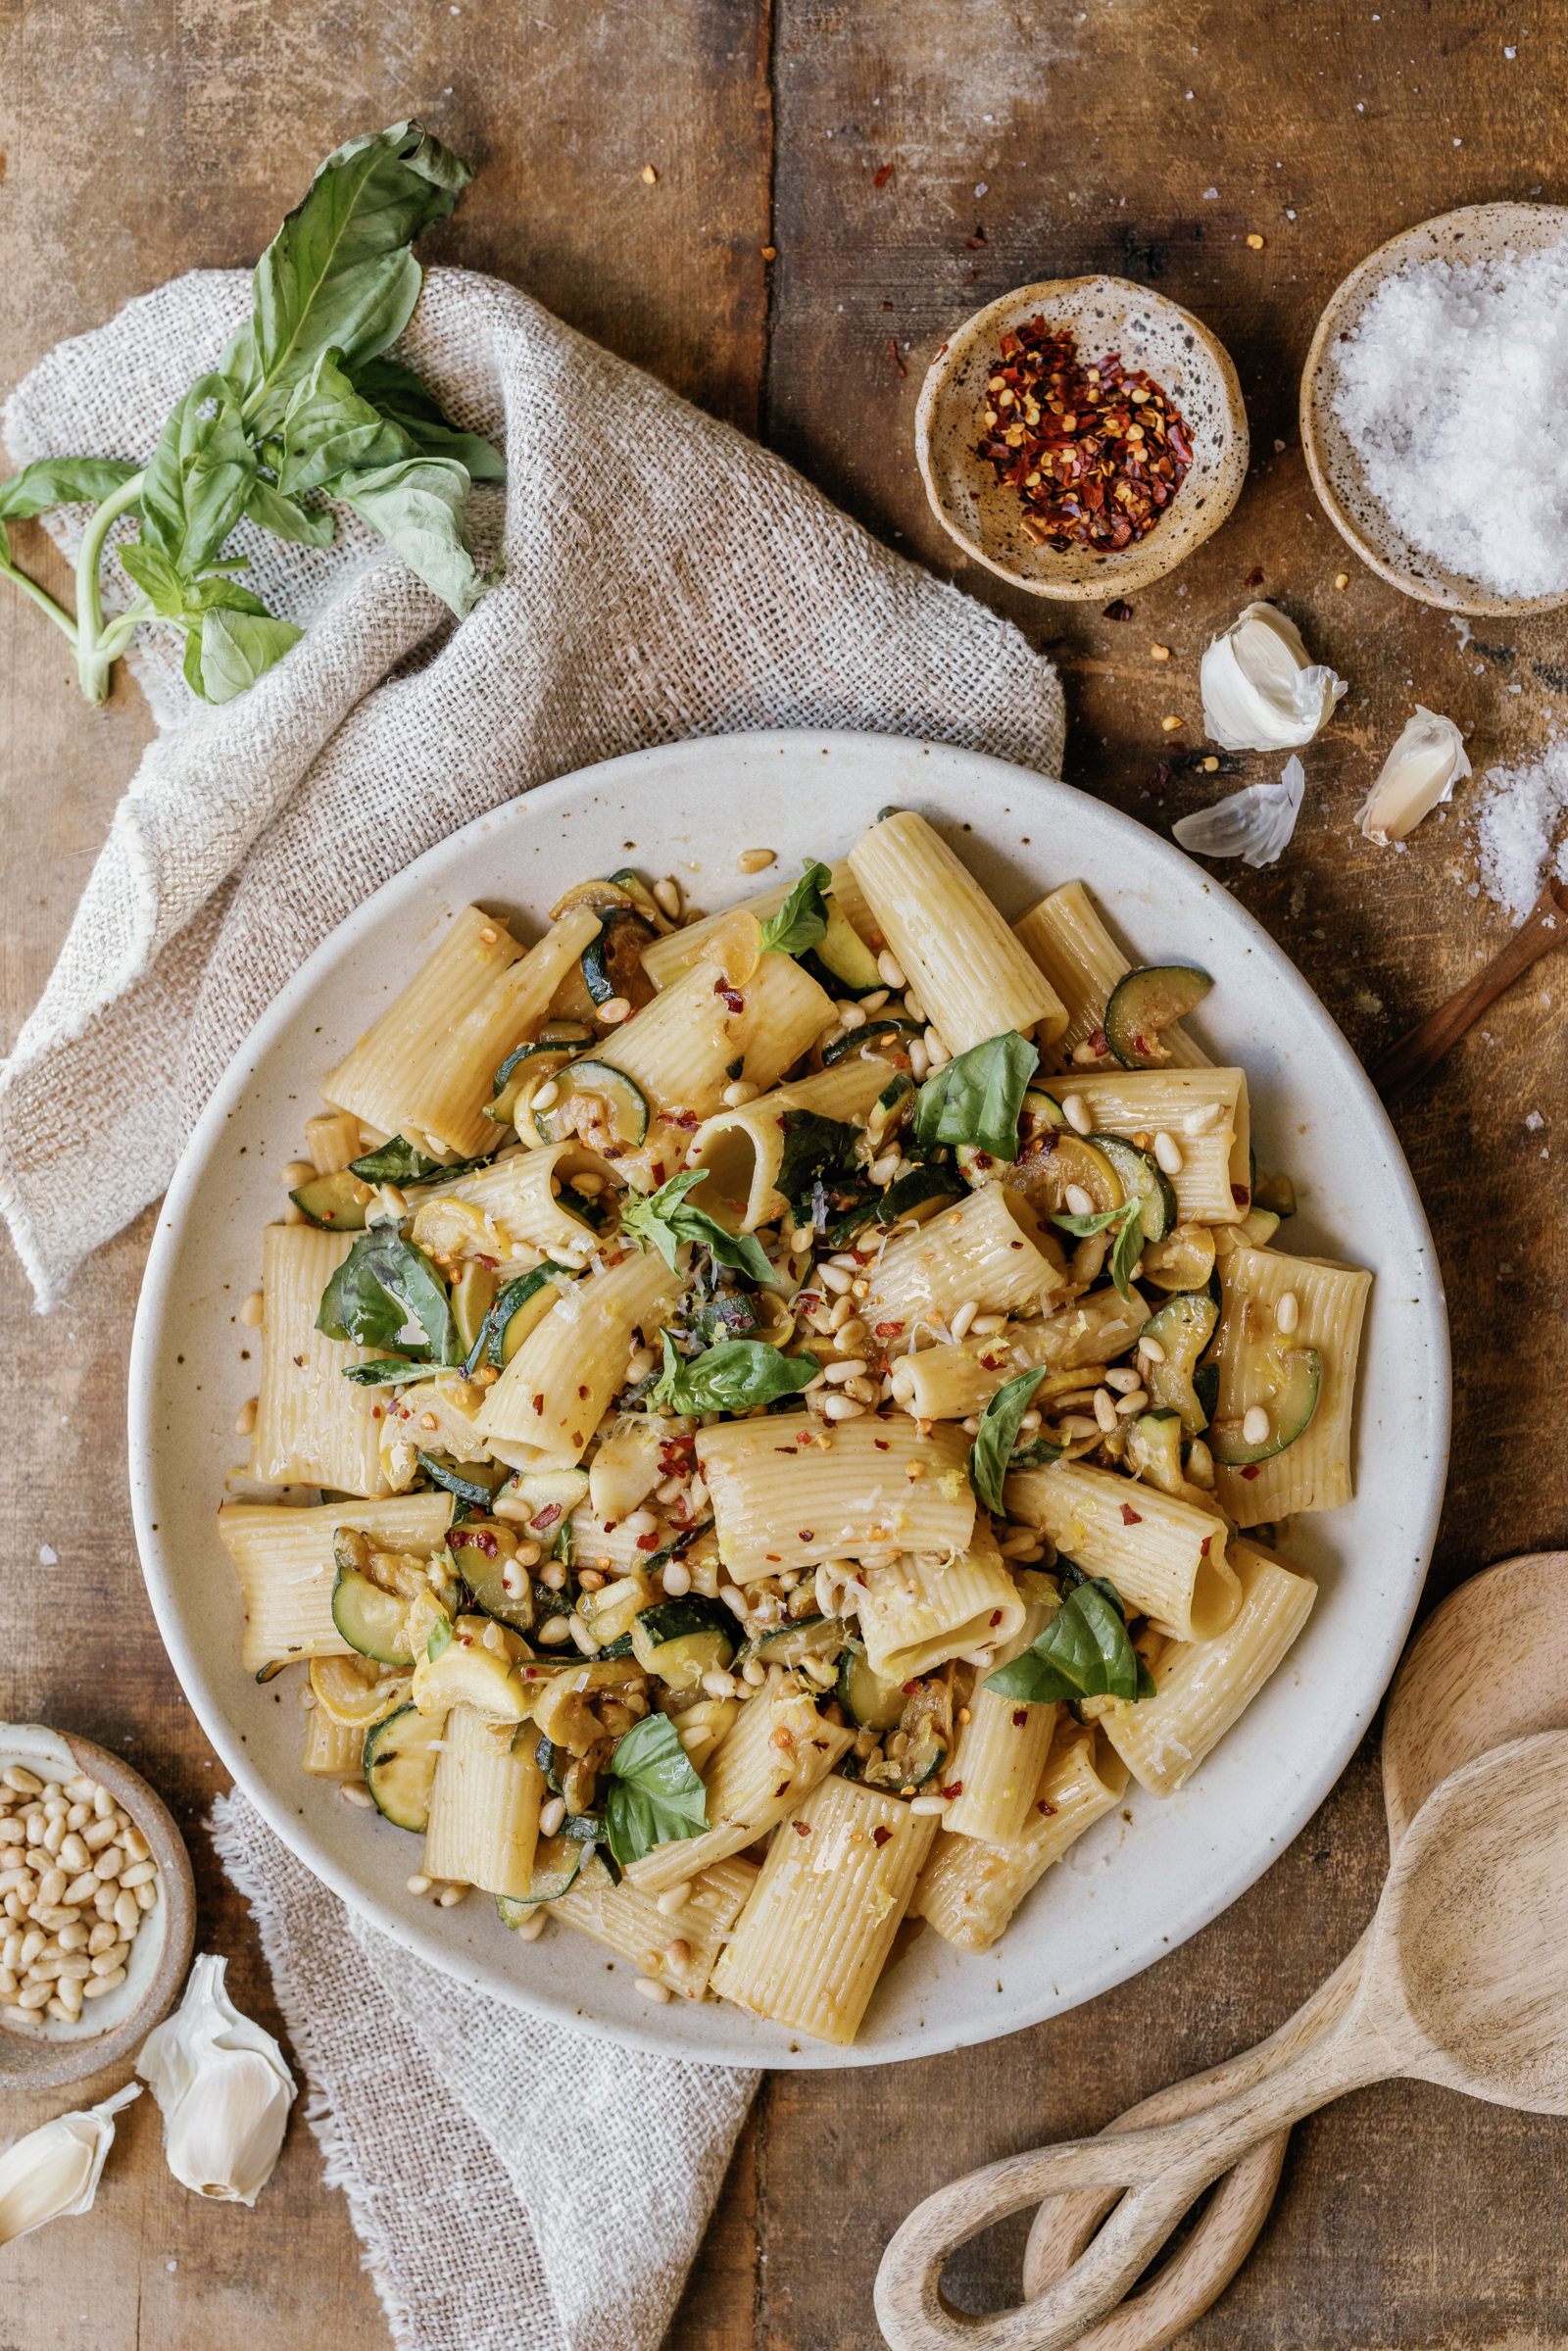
[(341, 2170)]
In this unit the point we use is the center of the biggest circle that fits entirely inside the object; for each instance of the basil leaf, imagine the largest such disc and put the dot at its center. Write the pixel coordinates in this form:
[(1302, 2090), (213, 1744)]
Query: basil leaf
[(1083, 1226), (198, 478), (157, 577), (814, 1146), (418, 505), (734, 1377), (328, 430), (398, 1162), (60, 481), (339, 271), (976, 1097), (387, 1371), (382, 1286), (400, 396), (664, 1220), (992, 1449), (269, 508), (1084, 1652), (655, 1794), (440, 1640), (239, 647), (802, 920), (1128, 1250)]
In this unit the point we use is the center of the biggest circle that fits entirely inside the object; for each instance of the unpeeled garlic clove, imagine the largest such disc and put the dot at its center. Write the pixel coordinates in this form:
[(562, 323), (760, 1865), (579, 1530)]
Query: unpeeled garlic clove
[(54, 2171), (223, 2089), (1263, 691), (1422, 769)]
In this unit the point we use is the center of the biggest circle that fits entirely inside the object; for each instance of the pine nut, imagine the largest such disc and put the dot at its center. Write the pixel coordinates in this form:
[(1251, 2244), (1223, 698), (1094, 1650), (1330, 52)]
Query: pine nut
[(986, 1326), (618, 1010), (140, 1873), (452, 1895), (842, 1407), (677, 1581), (99, 1832), (888, 969), (638, 1365), (1256, 1426), (96, 1989), (936, 1051), (718, 1684), (738, 1094), (532, 1927), (581, 1635), (850, 1017), (419, 1883), (555, 1630), (963, 1317), (1287, 1313), (297, 1172), (1076, 1113), (33, 1995), (353, 1792), (756, 861), (667, 892), (1105, 1410), (146, 1895), (754, 1672), (1124, 1382), (102, 1938), (551, 1814), (919, 1062), (52, 1889), (1152, 1349), (1029, 1423), (546, 1095), (852, 1367), (252, 1311), (83, 1888), (1132, 1402), (835, 1278), (19, 1777), (1199, 1121), (1078, 1201), (1167, 1153), (109, 1864), (305, 1698), (245, 1417), (930, 1804), (650, 1990)]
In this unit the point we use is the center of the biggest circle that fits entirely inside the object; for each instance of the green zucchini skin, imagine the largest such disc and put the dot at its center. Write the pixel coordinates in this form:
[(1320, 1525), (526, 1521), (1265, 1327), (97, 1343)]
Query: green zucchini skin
[(1184, 1328), (682, 1639), (922, 1188), (895, 1029), (790, 1644), (1144, 1001), (612, 963), (369, 1618), (399, 1768), (629, 1107), (868, 1699), (337, 1202), (1142, 1178), (556, 1863), (1290, 1417), (470, 1481), (840, 961), (521, 1072)]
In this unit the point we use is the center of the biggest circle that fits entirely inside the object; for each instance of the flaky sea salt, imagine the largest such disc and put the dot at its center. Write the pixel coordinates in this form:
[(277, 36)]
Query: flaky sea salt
[(1517, 824), (1454, 390)]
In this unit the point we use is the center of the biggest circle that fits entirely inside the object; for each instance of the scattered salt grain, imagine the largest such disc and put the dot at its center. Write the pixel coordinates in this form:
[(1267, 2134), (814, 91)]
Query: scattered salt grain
[(1452, 388), (1534, 1122), (1516, 828)]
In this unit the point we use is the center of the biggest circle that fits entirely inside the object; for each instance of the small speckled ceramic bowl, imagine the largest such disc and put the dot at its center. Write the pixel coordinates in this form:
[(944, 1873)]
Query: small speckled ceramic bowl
[(1106, 314), (161, 1952), (1339, 477)]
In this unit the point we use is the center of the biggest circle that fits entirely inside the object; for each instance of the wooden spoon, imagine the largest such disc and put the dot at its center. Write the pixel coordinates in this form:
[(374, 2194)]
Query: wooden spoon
[(1487, 1666), (1545, 927)]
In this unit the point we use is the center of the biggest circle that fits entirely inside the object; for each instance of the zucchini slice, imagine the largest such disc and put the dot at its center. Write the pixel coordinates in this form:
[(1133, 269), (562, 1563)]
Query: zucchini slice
[(1154, 1450), (793, 1643), (595, 1100), (681, 1641), (338, 1202), (354, 1692), (919, 1194), (519, 1309), (557, 1861), (1183, 1260), (846, 965), (868, 1699), (1041, 1113), (1183, 1327), (1290, 1412), (522, 1071), (1276, 1194), (1144, 1179), (1063, 1158), (399, 1766), (1146, 1002), (482, 1555), (891, 1105), (475, 1482), (889, 1034), (474, 1291), (613, 963), (369, 1618)]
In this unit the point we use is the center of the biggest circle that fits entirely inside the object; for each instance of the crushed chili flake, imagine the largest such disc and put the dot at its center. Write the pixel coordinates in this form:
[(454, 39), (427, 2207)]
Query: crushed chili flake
[(1120, 610), (804, 1534), (887, 1330), (954, 1789), (479, 1539), (1203, 1548), (879, 1837), (975, 242), (910, 1687), (879, 179), (1020, 1715), (733, 1000), (881, 1444), (547, 1517), (1253, 1472), (996, 1616), (892, 354), (1254, 578), (1095, 453), (1240, 1194), (648, 1542), (1050, 1810), (801, 1828), (1130, 1517), (1098, 1043)]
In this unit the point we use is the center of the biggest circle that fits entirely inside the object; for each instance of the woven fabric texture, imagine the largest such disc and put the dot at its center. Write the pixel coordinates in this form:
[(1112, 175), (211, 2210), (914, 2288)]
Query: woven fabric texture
[(659, 577)]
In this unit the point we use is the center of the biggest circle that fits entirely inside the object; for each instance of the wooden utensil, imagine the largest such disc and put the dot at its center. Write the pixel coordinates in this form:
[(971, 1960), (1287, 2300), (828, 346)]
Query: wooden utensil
[(1464, 1982), (1487, 1666), (1545, 927)]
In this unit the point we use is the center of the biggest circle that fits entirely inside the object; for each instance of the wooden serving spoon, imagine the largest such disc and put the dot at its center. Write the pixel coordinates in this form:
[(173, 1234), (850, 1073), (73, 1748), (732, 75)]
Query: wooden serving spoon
[(1464, 1982), (1545, 927), (1486, 1667)]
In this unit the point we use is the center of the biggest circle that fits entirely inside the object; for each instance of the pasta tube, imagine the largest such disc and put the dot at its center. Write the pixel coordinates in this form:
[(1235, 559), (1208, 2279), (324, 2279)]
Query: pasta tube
[(1205, 1687), (743, 1150), (991, 1247), (818, 1928), (1214, 1184), (425, 1068), (517, 1197), (333, 1750), (969, 1891), (629, 1922), (1314, 1472), (313, 1427), (551, 1395), (1165, 1558), (283, 1558), (677, 951), (921, 1611), (950, 1383), (680, 1048), (484, 1806), (1003, 1749), (774, 1754), (1065, 936), (787, 1491), (971, 976)]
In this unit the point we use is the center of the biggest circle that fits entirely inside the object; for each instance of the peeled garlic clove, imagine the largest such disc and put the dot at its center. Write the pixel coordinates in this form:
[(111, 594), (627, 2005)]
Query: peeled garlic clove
[(223, 2089), (1254, 825), (54, 2171), (1263, 691), (1422, 769)]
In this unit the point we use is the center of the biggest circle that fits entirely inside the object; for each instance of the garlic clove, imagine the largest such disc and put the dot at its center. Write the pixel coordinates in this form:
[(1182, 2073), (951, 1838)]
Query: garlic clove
[(54, 2172), (1421, 770), (1254, 825), (1263, 691), (224, 2088)]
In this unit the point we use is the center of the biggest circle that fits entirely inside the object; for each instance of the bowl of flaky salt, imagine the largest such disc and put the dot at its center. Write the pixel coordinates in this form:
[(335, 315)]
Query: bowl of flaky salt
[(1435, 409)]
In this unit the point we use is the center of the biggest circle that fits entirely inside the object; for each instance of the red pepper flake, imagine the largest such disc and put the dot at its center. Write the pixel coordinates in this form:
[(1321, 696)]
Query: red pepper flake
[(1203, 1548), (648, 1542), (790, 1449), (774, 1557), (1120, 610), (477, 1538), (910, 1687), (804, 1534), (996, 1617), (1020, 1715), (1095, 453), (547, 1517), (1254, 578), (1050, 1810), (582, 1391), (1240, 1194), (539, 1403), (577, 1439), (1098, 1043), (801, 1828), (881, 1444), (688, 1118), (375, 1411), (887, 1330), (879, 179), (879, 1837), (782, 1789), (733, 1000), (892, 354), (954, 1789), (1253, 1472), (975, 242), (1129, 1516), (299, 1362)]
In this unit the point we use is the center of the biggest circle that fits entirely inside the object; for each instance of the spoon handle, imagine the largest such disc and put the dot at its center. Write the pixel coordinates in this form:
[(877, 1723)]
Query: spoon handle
[(1162, 2170), (1544, 926)]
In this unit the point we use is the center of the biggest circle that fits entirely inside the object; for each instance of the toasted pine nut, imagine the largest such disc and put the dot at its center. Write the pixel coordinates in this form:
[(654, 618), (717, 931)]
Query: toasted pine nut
[(1199, 1121), (840, 1407), (419, 1883), (936, 1804), (1152, 1349), (677, 1581), (889, 969), (738, 1094), (252, 1311), (1105, 1410), (851, 1367), (614, 1011), (99, 1984), (756, 860), (1256, 1426), (1076, 1113), (452, 1895), (1124, 1382), (1286, 1312), (555, 1630), (1167, 1153), (985, 1326), (963, 1317), (645, 1985), (532, 1927), (1133, 1402), (1078, 1201), (667, 892), (551, 1814), (353, 1792)]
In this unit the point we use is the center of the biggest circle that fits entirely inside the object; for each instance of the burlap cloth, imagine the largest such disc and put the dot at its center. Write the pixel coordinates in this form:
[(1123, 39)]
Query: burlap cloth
[(659, 577)]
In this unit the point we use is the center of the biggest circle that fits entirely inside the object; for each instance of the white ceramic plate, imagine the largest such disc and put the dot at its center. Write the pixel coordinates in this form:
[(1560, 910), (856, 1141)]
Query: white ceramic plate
[(1134, 1886)]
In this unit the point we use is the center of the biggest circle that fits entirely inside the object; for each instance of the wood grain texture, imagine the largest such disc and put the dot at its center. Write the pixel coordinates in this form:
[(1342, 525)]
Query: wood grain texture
[(143, 137)]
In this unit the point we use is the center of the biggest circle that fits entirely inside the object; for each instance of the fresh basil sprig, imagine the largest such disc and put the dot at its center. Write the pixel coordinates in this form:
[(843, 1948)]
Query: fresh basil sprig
[(655, 1794), (302, 400), (992, 1449), (1084, 1652), (802, 920), (734, 1377), (1129, 1223), (664, 1220), (976, 1097), (815, 1148), (383, 1287)]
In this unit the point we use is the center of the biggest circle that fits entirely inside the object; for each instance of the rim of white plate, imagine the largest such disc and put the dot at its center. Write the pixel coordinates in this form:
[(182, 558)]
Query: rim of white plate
[(1205, 1846)]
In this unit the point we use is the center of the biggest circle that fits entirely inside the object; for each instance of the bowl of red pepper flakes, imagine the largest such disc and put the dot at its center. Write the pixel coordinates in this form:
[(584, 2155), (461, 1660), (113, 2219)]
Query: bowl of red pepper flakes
[(1082, 436)]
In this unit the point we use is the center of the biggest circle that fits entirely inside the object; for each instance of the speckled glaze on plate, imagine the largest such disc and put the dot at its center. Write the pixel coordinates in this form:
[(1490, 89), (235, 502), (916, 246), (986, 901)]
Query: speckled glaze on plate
[(1148, 1875), (1106, 314), (1339, 475)]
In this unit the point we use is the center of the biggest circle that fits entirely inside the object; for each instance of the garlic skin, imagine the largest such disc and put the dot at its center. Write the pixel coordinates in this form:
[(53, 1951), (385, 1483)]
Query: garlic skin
[(224, 2088), (1262, 690), (1254, 825), (1422, 769), (54, 2172)]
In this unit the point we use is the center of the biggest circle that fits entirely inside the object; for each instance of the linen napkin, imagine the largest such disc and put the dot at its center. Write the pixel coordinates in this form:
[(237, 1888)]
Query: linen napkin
[(659, 577)]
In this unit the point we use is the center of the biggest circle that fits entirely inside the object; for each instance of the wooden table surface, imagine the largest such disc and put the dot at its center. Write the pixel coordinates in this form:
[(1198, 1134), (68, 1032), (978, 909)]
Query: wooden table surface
[(1013, 140)]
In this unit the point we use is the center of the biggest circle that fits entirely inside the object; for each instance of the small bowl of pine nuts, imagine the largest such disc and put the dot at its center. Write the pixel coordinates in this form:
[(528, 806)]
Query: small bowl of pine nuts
[(99, 1902)]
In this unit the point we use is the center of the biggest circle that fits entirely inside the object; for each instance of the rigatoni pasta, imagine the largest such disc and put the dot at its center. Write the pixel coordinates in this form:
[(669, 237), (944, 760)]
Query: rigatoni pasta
[(920, 1611), (790, 1490), (1163, 1555), (970, 1890), (1276, 1307), (1066, 936), (312, 1428)]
